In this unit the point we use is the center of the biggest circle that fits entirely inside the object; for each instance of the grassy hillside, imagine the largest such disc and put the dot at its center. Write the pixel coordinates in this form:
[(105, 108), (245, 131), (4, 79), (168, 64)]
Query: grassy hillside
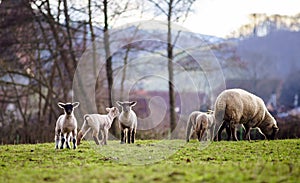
[(154, 161)]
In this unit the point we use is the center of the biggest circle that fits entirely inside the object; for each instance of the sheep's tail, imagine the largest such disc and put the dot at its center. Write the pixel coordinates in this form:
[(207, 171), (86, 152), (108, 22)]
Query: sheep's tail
[(85, 128), (220, 108)]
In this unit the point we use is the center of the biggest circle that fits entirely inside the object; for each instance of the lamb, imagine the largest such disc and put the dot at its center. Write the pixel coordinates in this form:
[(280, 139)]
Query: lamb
[(237, 106), (98, 122), (65, 125), (200, 122), (127, 122)]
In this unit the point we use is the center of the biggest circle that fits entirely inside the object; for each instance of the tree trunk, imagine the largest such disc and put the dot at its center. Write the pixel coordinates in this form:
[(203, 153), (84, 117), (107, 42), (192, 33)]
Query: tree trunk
[(170, 71), (109, 72)]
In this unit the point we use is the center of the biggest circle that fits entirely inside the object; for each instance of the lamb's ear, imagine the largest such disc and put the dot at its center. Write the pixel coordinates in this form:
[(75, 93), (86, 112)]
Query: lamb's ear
[(107, 109), (61, 105), (75, 104), (119, 103), (132, 103)]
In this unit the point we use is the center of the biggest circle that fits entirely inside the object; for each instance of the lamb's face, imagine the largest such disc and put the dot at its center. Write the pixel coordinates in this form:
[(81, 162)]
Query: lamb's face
[(114, 112), (126, 106), (68, 107)]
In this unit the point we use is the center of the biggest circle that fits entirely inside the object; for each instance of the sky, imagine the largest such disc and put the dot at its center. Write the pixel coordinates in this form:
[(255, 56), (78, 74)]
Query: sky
[(221, 17)]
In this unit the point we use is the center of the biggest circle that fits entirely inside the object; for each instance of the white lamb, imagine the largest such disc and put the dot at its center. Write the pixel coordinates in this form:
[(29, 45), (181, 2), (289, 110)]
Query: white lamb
[(127, 122), (98, 122), (65, 125), (201, 123)]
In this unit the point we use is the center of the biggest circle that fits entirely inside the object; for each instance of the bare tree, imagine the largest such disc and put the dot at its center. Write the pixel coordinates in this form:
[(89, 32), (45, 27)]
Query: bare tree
[(172, 10)]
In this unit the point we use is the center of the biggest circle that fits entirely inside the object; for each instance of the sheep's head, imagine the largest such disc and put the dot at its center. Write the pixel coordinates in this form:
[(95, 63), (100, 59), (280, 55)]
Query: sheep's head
[(68, 107), (270, 129), (114, 112), (126, 106)]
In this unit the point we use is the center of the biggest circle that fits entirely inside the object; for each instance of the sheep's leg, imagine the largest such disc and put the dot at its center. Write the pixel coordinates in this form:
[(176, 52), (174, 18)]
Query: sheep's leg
[(95, 136), (63, 139), (57, 135), (233, 132), (228, 132), (247, 133), (220, 130), (129, 135), (68, 141), (133, 136)]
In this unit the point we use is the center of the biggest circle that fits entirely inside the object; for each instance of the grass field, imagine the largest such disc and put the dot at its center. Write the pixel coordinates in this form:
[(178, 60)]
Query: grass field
[(154, 161)]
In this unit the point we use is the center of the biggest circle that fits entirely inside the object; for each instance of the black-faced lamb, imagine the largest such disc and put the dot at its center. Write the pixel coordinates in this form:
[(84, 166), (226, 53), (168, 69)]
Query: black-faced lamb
[(237, 106), (200, 123), (127, 122), (65, 125), (98, 122)]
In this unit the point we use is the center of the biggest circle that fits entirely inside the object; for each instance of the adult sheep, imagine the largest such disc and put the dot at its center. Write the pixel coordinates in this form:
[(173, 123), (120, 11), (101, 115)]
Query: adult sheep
[(200, 123), (237, 106)]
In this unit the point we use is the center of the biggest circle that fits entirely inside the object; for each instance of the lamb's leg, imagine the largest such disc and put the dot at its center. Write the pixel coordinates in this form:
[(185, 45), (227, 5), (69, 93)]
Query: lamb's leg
[(74, 133), (212, 129), (189, 130), (57, 135), (122, 136), (68, 141), (133, 136), (202, 133), (63, 139), (129, 135), (102, 136), (84, 130), (95, 136), (105, 136), (198, 132)]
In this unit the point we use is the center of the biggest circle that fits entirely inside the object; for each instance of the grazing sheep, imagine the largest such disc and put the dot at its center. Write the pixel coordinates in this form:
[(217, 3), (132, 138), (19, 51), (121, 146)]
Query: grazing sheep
[(98, 122), (65, 125), (200, 123), (127, 122), (237, 106)]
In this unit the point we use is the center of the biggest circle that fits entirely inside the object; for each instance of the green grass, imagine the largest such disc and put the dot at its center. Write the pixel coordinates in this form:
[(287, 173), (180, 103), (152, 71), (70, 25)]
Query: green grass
[(153, 161)]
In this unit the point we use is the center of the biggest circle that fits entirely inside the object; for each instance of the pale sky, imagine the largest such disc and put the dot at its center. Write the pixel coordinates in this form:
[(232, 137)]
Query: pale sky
[(220, 17)]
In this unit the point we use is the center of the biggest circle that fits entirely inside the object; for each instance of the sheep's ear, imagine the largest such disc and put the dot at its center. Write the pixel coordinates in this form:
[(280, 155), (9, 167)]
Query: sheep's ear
[(119, 103), (275, 128), (133, 103), (61, 105), (75, 104), (107, 109)]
